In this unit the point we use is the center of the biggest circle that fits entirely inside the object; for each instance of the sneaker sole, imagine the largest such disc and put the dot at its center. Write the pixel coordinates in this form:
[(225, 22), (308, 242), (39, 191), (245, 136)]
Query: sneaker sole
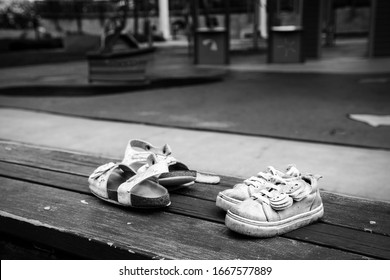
[(225, 202), (269, 229)]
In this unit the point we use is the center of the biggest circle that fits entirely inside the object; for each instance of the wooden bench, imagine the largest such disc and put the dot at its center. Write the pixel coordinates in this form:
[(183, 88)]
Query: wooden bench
[(46, 205)]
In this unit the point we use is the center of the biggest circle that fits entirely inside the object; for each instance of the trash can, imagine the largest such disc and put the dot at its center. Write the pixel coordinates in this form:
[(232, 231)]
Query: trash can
[(286, 44), (211, 46)]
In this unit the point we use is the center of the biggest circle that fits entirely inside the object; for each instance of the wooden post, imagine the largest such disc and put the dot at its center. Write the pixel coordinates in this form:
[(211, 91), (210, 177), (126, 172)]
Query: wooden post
[(148, 25), (227, 27), (136, 8), (379, 44), (271, 10), (312, 23), (195, 15), (256, 24)]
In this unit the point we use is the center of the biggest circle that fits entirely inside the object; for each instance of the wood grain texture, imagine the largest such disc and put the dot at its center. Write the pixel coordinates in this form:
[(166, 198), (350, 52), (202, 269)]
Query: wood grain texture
[(345, 215), (198, 208), (60, 219), (372, 245), (12, 248), (74, 163), (366, 215)]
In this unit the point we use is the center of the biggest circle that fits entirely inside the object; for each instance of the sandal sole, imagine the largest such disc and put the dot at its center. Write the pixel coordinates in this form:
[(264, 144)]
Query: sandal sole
[(125, 205), (178, 181), (268, 229)]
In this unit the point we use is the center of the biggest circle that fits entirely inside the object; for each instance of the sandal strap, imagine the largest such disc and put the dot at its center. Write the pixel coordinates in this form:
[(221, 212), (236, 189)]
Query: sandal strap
[(103, 169), (132, 155), (146, 146), (155, 168)]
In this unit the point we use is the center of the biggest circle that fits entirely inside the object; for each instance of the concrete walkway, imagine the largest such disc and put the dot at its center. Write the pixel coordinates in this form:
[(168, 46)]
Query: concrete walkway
[(172, 61), (352, 171)]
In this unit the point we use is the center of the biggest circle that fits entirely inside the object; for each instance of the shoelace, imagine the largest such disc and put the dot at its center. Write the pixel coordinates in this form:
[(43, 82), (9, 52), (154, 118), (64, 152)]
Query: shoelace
[(283, 195), (256, 182), (274, 197), (291, 172)]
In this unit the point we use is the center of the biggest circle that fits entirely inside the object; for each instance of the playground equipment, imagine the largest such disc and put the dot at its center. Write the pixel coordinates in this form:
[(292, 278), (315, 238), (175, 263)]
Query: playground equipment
[(120, 59)]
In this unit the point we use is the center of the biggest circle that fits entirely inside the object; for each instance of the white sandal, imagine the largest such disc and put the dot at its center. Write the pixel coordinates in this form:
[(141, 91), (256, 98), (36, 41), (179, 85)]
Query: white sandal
[(120, 184), (178, 175)]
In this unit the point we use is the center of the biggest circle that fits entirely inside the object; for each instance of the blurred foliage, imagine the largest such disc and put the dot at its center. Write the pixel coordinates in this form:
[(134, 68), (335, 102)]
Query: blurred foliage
[(17, 14)]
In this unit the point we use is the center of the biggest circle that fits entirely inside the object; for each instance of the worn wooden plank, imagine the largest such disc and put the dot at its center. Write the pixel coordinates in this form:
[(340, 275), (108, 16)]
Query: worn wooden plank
[(187, 205), (63, 220), (204, 209), (340, 210), (12, 248), (77, 246), (361, 214), (47, 177), (373, 245), (82, 164), (46, 158)]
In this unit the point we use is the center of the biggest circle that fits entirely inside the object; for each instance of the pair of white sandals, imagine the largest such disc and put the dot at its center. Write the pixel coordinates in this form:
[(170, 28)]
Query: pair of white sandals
[(144, 177)]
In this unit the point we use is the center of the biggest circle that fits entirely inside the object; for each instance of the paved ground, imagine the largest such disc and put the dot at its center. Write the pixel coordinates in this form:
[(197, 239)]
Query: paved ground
[(250, 100), (308, 107)]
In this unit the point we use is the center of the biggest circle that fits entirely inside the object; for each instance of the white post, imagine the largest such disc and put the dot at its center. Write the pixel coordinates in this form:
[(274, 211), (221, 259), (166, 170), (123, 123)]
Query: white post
[(164, 19), (263, 19)]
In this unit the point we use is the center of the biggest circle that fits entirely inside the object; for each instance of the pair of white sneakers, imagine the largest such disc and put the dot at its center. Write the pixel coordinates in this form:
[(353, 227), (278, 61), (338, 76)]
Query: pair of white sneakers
[(272, 203)]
